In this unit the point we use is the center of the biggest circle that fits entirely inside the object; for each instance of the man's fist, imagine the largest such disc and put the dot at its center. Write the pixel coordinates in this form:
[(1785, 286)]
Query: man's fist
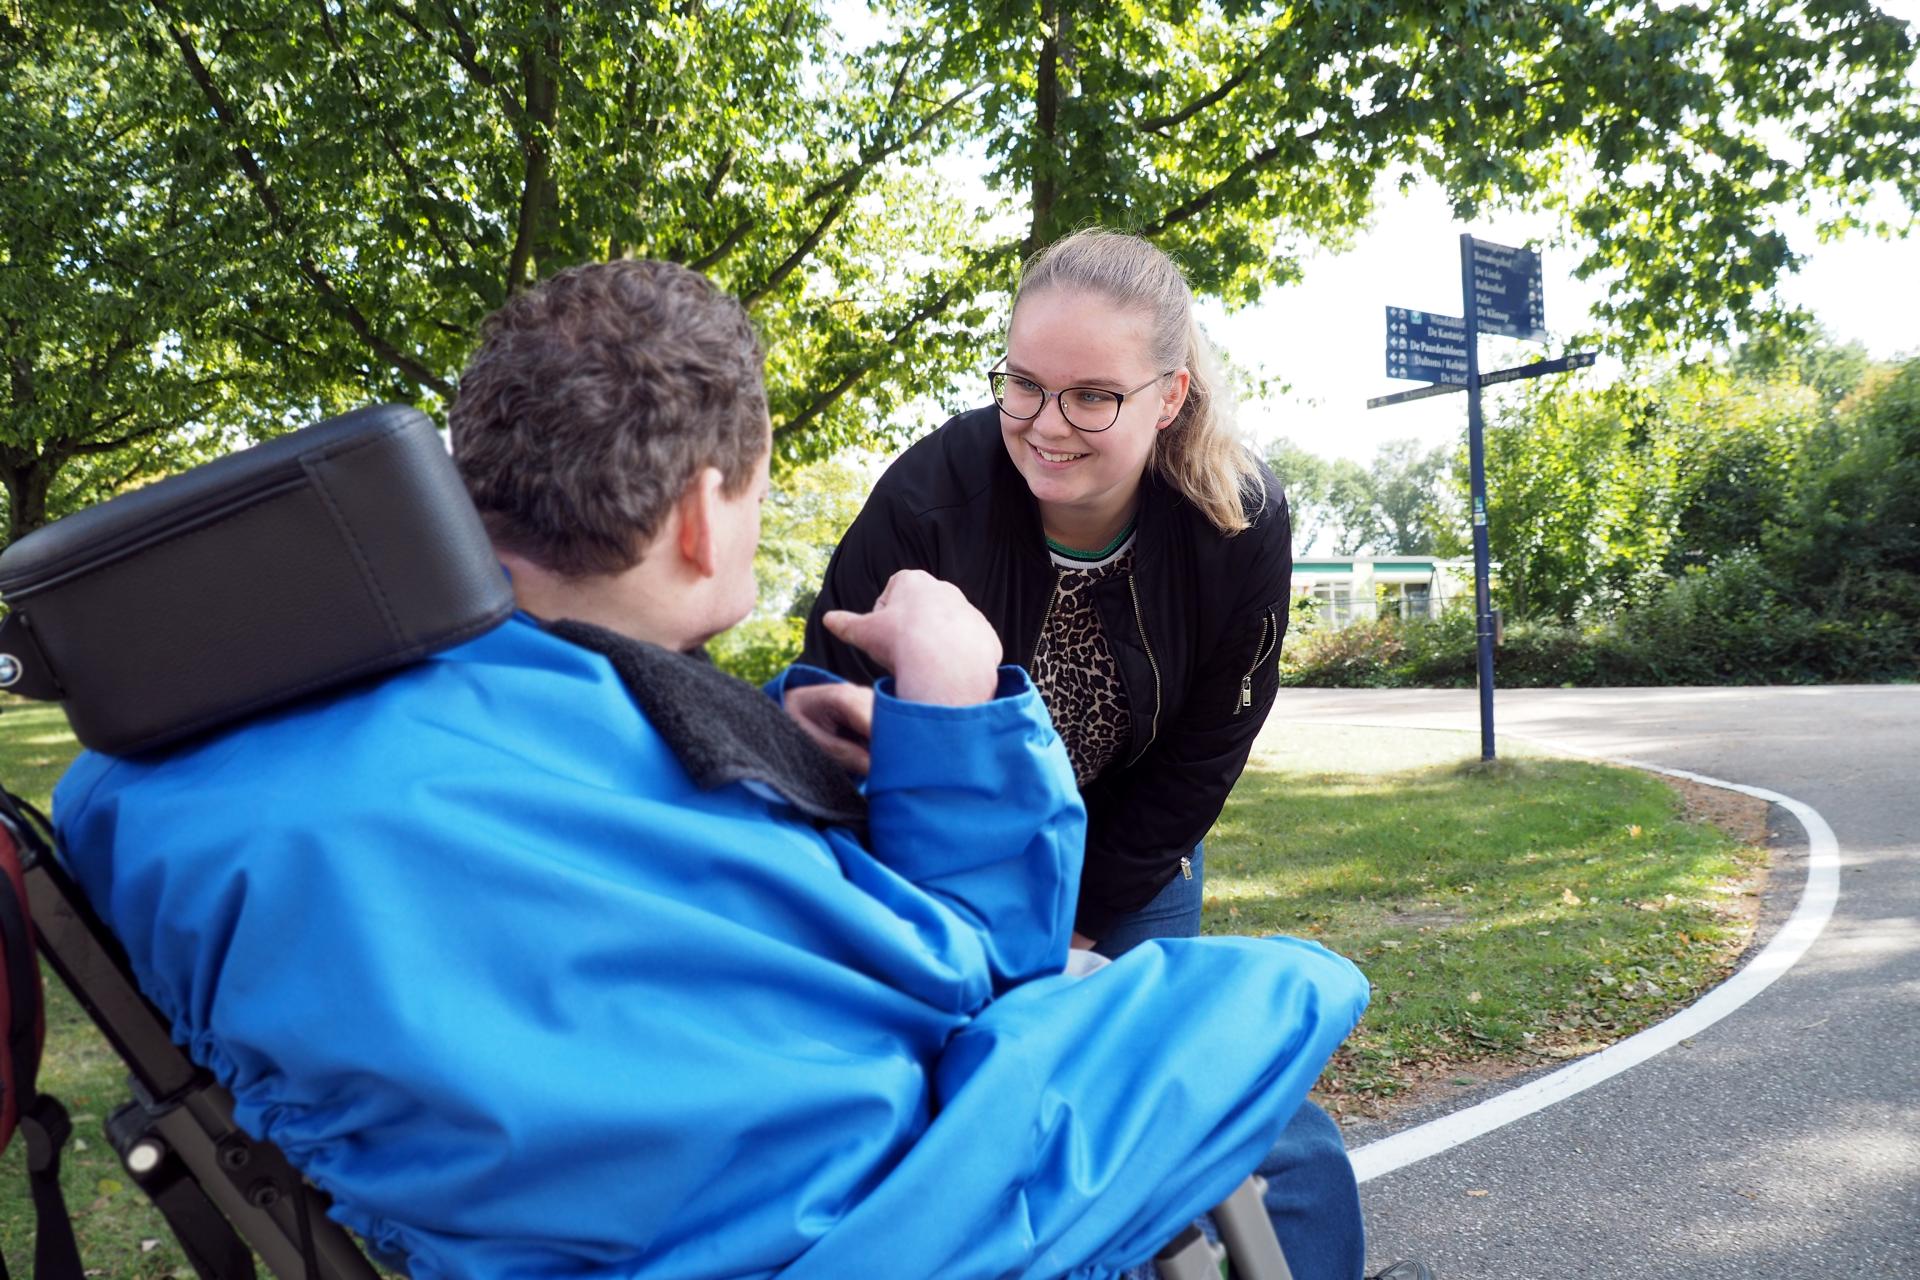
[(939, 647), (839, 719)]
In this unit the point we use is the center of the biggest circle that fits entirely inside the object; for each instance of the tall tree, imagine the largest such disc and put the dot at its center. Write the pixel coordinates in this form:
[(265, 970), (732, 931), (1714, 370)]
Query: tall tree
[(118, 288), (1396, 505), (1324, 496), (342, 189), (1597, 499), (1408, 505), (1669, 137)]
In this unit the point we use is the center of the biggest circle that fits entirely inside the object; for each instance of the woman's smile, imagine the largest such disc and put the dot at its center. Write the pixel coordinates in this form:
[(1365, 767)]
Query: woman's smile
[(1054, 457)]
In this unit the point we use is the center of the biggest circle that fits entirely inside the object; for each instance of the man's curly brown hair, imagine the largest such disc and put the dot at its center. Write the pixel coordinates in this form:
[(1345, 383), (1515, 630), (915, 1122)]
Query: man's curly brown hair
[(594, 398)]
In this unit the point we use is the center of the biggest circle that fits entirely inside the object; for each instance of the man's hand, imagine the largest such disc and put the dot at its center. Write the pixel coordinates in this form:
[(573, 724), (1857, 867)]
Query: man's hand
[(839, 719), (940, 648)]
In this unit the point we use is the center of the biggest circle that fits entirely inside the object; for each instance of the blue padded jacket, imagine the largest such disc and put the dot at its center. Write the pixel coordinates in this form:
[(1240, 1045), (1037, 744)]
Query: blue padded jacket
[(473, 950)]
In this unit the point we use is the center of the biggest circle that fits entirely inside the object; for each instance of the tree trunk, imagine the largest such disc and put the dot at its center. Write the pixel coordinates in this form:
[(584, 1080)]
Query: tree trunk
[(540, 191), (27, 482), (1046, 146)]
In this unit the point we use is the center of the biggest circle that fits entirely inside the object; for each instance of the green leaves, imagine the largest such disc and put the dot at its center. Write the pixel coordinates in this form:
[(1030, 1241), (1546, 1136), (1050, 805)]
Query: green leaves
[(302, 207)]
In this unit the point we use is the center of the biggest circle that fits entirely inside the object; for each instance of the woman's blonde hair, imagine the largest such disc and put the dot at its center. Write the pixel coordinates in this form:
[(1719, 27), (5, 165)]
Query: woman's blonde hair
[(1200, 452)]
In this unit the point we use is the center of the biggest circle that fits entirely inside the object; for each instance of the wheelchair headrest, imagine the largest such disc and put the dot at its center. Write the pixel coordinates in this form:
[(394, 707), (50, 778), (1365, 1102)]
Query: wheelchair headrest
[(316, 558)]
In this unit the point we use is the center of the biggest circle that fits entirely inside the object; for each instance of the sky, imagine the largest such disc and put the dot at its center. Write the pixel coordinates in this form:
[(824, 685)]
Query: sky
[(1325, 337)]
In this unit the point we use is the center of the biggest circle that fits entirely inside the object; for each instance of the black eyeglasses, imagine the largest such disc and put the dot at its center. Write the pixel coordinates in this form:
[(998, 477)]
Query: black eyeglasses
[(1084, 408)]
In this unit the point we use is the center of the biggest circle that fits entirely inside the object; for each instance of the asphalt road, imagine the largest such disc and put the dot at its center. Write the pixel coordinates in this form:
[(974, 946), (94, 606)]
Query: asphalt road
[(1784, 1140)]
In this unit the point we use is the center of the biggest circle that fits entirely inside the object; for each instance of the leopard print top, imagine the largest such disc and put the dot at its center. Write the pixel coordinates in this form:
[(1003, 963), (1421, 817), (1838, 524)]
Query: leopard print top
[(1075, 671)]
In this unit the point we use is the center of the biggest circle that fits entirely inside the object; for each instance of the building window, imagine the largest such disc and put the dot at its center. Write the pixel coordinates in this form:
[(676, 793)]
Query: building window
[(1335, 604)]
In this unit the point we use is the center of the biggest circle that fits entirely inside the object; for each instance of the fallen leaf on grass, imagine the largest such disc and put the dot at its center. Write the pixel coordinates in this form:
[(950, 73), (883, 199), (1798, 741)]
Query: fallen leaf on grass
[(1473, 997), (1569, 897), (149, 1245)]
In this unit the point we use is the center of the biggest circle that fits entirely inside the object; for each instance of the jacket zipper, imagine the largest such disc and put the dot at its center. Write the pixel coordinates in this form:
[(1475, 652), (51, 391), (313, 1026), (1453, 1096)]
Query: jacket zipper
[(1186, 868), (1261, 654), (1140, 621), (1046, 616)]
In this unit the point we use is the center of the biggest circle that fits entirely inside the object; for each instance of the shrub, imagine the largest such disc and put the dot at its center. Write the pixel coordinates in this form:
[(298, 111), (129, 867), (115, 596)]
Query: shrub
[(1727, 623), (758, 649), (1351, 657)]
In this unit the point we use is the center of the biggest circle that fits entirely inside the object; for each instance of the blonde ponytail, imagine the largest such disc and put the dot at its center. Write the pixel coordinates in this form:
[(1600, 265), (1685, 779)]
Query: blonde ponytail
[(1200, 454)]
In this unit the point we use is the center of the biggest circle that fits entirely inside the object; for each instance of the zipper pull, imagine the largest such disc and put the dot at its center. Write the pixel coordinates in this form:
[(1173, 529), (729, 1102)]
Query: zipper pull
[(1186, 868), (1246, 691)]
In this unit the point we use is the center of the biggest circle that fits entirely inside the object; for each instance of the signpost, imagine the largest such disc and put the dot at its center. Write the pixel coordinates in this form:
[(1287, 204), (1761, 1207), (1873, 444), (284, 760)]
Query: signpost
[(1505, 286), (1423, 345), (1501, 288)]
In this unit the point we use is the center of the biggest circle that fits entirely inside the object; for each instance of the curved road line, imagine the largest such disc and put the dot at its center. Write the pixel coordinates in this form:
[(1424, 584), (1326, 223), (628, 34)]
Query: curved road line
[(1809, 917)]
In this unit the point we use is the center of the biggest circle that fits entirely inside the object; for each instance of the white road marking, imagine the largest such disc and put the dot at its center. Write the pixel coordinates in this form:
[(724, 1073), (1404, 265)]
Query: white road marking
[(1809, 917)]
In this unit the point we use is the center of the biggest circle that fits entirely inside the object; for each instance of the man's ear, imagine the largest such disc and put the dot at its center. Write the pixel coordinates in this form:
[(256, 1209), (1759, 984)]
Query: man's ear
[(697, 509)]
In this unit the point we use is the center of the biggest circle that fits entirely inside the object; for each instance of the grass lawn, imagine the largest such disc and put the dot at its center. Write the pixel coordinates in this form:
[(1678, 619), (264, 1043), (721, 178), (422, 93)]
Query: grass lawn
[(121, 1234), (1535, 909), (1532, 909)]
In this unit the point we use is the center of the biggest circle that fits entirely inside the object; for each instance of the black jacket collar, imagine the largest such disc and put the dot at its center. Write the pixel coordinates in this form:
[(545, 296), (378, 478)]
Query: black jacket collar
[(723, 730)]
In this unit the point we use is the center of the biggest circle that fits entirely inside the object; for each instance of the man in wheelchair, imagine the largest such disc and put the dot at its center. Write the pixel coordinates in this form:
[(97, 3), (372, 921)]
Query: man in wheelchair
[(560, 953)]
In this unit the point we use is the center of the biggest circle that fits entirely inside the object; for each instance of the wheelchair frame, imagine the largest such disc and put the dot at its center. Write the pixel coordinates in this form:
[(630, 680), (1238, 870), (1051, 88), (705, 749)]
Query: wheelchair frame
[(226, 1196)]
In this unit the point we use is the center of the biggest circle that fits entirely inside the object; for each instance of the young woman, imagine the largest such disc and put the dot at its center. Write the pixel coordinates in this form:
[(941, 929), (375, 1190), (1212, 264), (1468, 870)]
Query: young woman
[(1133, 556), (1136, 559)]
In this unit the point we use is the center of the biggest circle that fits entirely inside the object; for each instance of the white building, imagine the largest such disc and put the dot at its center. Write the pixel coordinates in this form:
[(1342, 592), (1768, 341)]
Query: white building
[(1349, 589)]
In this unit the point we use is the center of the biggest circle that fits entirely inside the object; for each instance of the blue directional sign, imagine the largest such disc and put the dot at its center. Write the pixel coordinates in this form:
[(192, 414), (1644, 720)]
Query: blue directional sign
[(1506, 292), (1425, 346)]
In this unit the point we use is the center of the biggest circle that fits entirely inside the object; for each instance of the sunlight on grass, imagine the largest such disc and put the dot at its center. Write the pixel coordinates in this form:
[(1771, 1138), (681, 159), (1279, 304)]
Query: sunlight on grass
[(1534, 905), (121, 1234)]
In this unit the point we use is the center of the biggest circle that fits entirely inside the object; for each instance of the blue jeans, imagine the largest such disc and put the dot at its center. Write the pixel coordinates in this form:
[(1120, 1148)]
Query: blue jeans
[(1312, 1197), (1173, 913)]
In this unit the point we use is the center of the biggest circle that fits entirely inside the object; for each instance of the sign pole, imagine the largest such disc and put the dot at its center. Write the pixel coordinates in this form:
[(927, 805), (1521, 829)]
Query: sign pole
[(1501, 289), (1477, 464)]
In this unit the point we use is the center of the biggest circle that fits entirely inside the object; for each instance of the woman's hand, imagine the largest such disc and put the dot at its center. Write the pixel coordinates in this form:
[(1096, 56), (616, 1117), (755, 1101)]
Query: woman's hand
[(1081, 942), (839, 719), (939, 647)]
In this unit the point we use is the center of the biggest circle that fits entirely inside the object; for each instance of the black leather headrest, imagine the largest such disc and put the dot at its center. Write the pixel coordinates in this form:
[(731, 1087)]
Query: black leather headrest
[(317, 558)]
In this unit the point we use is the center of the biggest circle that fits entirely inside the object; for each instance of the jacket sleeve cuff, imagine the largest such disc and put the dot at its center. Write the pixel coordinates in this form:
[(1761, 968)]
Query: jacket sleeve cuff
[(797, 676), (1093, 920)]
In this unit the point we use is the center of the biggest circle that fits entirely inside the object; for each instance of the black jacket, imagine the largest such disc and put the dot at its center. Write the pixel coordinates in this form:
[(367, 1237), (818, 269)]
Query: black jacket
[(1195, 628)]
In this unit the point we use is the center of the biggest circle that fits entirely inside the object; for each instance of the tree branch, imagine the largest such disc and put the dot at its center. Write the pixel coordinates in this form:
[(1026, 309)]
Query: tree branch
[(720, 172), (466, 52), (276, 214), (726, 246), (1046, 114), (89, 448), (855, 174), (1205, 200), (860, 368), (414, 180), (1156, 124), (792, 261), (851, 180)]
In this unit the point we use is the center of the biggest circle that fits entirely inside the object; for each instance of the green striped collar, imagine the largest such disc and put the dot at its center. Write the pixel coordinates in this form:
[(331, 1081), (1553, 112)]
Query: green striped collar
[(1093, 557)]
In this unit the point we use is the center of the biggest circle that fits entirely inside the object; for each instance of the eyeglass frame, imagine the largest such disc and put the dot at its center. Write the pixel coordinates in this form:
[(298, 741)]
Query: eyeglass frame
[(1119, 397)]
